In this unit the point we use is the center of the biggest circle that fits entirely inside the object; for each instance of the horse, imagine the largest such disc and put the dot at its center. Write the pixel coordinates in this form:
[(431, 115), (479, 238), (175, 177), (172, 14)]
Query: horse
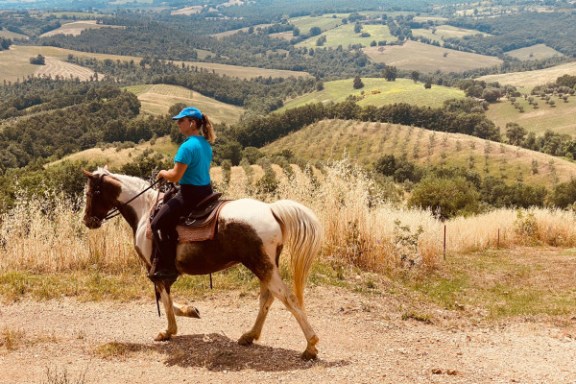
[(250, 232)]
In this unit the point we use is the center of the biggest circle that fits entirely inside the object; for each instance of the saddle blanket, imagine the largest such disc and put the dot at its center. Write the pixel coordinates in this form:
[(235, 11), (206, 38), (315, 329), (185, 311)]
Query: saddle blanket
[(188, 234)]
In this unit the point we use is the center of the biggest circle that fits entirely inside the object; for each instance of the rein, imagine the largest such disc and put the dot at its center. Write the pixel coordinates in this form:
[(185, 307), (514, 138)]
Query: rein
[(116, 211)]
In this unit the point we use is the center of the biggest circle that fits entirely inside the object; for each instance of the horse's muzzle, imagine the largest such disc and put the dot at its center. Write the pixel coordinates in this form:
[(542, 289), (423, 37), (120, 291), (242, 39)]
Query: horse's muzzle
[(92, 222)]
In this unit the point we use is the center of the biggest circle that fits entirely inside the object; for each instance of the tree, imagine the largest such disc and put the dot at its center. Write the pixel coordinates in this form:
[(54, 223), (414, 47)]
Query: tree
[(446, 197), (358, 83), (415, 76), (390, 73), (515, 134), (38, 60), (564, 194), (315, 31)]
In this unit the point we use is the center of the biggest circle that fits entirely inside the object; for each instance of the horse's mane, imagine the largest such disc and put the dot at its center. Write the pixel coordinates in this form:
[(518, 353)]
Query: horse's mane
[(131, 181)]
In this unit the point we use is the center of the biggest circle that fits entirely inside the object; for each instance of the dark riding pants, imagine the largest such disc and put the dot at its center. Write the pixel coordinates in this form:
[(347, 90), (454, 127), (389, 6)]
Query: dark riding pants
[(164, 223)]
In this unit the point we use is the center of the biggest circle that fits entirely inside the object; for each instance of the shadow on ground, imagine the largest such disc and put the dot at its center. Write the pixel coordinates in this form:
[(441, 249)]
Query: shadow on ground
[(217, 352)]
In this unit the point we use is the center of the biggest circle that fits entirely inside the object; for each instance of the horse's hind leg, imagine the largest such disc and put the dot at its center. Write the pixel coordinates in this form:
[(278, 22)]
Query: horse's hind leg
[(266, 300), (170, 316), (282, 293)]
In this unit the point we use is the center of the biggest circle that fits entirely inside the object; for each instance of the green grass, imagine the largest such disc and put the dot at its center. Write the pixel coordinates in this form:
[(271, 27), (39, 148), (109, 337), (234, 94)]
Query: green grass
[(345, 36), (324, 22), (505, 283), (380, 92), (416, 56), (444, 32), (559, 119)]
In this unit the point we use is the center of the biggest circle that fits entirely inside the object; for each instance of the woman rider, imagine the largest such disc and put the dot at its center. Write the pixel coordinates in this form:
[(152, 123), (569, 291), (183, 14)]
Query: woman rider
[(192, 171)]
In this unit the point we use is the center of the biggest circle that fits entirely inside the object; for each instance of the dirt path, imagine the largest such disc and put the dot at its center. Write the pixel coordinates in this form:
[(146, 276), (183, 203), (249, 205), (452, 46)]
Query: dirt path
[(363, 340)]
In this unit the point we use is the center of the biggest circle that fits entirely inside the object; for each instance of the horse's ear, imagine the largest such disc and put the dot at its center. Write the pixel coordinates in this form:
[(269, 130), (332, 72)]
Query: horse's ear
[(87, 174)]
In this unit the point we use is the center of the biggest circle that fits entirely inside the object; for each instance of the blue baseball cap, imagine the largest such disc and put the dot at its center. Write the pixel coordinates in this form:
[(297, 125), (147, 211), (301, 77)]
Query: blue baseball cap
[(188, 112)]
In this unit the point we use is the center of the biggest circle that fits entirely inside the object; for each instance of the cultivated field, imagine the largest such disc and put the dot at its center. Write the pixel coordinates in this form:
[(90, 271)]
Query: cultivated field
[(366, 142), (379, 92), (235, 31), (156, 99), (442, 32), (535, 52), (324, 22), (560, 118), (75, 28), (186, 11), (6, 34), (525, 81), (14, 63), (421, 57), (345, 36), (116, 157), (54, 67)]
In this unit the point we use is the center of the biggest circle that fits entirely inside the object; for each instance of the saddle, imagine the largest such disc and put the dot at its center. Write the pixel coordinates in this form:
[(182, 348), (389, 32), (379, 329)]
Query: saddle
[(200, 224)]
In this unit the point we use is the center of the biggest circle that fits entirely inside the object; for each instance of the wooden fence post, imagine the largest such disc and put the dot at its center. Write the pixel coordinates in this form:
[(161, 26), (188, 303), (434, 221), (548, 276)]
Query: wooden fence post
[(444, 252)]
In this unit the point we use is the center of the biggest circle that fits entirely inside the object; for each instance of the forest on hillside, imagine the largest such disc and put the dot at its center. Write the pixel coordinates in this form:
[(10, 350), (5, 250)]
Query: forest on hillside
[(43, 119)]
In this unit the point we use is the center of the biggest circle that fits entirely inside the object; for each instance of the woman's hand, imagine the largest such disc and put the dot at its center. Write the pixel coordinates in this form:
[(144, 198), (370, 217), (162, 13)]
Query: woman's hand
[(173, 175), (162, 174)]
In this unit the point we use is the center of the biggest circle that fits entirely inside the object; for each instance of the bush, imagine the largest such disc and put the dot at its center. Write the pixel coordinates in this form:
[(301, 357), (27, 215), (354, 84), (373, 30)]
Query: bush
[(38, 60), (445, 197)]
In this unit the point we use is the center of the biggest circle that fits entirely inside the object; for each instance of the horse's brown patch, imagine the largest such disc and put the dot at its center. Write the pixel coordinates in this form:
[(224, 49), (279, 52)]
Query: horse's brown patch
[(101, 196), (236, 242)]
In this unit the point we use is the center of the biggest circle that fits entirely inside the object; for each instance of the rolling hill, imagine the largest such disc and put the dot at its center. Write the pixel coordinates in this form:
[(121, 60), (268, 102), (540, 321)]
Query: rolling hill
[(365, 142), (14, 63), (76, 27), (415, 56), (527, 80), (156, 99), (379, 92), (560, 118)]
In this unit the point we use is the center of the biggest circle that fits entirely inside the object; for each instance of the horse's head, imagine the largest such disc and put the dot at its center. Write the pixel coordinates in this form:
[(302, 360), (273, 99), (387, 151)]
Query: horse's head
[(102, 192)]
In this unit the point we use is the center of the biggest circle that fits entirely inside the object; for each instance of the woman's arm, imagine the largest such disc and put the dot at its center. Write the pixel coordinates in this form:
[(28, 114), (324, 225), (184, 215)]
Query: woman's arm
[(173, 175)]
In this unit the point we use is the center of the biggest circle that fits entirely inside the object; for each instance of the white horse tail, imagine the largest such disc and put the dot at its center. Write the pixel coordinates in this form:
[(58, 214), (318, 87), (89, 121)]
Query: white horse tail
[(302, 233)]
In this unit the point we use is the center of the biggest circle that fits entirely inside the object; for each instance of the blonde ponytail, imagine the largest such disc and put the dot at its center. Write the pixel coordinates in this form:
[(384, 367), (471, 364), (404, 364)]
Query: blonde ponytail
[(208, 130)]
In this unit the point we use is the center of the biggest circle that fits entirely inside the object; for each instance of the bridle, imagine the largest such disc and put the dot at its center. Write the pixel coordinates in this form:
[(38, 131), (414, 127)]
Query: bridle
[(97, 190)]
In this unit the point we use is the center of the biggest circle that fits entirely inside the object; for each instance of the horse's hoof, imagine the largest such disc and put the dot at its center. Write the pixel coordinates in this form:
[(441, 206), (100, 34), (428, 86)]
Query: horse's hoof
[(162, 337), (246, 340), (310, 354), (190, 311)]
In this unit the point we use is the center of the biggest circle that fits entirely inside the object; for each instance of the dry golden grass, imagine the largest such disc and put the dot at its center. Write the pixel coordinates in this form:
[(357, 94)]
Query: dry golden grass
[(15, 64), (63, 69), (529, 79), (422, 57), (75, 28), (156, 99), (504, 263), (116, 158)]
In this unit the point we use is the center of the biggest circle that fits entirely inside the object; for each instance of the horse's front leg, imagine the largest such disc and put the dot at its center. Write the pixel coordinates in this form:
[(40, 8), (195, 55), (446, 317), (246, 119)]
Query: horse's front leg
[(169, 309)]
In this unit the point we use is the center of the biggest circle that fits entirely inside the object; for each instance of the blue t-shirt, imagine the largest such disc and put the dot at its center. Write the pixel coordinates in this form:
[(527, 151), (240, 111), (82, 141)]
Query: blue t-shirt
[(196, 153)]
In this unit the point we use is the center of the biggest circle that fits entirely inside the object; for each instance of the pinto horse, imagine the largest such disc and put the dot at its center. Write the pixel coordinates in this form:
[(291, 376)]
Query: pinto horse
[(250, 232)]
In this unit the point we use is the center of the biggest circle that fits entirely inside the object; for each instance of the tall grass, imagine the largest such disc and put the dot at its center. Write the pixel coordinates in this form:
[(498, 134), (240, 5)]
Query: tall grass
[(41, 235), (362, 227)]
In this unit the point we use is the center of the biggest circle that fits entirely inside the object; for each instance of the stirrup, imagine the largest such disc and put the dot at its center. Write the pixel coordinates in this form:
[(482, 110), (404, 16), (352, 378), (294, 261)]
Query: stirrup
[(163, 276)]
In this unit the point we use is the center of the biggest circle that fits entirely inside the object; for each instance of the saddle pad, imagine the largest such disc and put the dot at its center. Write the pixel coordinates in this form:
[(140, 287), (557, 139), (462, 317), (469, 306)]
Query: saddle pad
[(191, 234)]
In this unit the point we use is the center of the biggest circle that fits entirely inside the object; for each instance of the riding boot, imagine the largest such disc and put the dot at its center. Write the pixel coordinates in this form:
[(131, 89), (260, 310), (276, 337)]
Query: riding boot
[(164, 260)]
